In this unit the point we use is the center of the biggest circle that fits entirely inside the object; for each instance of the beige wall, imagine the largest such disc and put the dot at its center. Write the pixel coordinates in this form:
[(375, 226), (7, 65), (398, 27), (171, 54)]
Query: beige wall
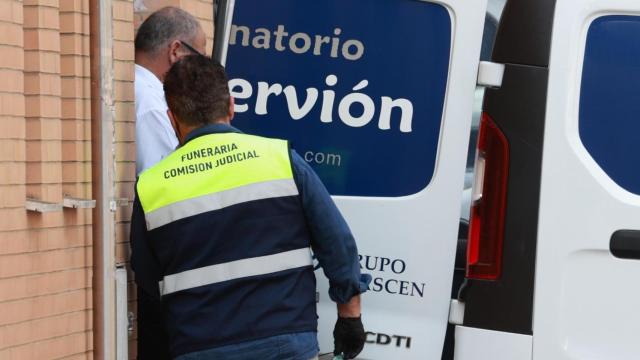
[(45, 259), (45, 153)]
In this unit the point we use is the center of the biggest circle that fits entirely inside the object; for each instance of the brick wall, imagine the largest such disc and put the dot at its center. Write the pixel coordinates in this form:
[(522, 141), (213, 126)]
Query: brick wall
[(45, 259), (45, 154)]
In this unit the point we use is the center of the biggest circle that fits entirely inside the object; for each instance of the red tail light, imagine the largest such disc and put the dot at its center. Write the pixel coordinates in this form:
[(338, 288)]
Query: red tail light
[(486, 230)]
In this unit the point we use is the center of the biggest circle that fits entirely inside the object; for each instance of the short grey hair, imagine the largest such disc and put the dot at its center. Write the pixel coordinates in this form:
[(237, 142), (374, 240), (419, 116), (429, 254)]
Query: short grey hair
[(164, 26)]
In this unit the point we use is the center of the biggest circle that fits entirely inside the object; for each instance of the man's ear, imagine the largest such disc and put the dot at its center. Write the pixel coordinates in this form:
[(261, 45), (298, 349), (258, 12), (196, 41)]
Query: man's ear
[(175, 49), (232, 110)]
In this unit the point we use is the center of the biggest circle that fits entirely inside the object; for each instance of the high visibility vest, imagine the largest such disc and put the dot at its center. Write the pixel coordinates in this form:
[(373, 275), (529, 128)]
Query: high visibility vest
[(226, 223)]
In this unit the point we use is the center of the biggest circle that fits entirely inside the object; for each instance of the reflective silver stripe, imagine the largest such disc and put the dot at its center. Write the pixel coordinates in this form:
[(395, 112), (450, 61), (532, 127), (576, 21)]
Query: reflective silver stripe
[(216, 201), (261, 265)]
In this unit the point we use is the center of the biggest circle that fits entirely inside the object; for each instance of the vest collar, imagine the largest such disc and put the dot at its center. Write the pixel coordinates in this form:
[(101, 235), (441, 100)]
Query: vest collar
[(211, 129)]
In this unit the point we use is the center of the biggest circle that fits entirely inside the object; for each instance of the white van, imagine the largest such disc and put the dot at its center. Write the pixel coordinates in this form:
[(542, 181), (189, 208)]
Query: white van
[(555, 247), (378, 97)]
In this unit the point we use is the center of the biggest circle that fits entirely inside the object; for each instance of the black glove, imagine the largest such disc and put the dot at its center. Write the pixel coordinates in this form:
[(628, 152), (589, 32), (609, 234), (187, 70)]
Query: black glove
[(348, 337)]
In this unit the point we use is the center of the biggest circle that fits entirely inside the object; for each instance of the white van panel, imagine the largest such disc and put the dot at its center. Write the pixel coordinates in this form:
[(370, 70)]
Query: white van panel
[(585, 298), (421, 229), (480, 344), (406, 231)]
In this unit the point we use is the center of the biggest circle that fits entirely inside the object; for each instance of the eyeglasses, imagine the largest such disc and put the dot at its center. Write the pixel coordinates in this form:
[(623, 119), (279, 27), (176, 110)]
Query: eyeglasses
[(190, 48)]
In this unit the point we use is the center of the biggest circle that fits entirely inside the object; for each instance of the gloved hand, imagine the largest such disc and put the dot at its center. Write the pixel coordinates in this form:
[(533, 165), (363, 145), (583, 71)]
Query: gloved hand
[(348, 337)]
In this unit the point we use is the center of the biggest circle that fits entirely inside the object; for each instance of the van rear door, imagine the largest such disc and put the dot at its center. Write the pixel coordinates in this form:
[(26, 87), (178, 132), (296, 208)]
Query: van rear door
[(588, 262), (377, 96)]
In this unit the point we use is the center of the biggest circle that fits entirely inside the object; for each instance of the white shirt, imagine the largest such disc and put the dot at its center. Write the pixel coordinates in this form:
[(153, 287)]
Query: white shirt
[(155, 137)]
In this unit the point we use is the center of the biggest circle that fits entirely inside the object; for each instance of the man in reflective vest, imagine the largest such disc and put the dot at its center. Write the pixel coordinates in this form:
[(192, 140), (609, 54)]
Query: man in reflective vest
[(222, 232)]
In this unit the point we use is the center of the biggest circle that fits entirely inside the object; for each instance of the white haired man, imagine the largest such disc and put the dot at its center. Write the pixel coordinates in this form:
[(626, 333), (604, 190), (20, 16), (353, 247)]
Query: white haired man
[(163, 38)]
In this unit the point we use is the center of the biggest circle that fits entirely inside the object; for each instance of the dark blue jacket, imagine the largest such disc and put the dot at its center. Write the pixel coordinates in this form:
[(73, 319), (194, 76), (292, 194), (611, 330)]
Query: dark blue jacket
[(235, 311)]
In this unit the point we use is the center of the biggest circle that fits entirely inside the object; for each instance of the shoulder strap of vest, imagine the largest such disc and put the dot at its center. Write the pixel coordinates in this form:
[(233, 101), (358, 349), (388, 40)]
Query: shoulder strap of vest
[(212, 164)]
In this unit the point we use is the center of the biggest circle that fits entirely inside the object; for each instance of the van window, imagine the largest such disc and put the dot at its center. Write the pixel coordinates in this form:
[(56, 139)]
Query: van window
[(362, 104), (610, 98)]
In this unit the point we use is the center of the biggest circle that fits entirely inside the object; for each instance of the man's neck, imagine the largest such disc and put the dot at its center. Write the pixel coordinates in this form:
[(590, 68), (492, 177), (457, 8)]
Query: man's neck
[(153, 66), (189, 129)]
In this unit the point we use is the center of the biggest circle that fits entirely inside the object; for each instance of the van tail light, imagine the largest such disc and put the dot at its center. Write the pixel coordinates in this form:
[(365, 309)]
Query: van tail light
[(486, 229)]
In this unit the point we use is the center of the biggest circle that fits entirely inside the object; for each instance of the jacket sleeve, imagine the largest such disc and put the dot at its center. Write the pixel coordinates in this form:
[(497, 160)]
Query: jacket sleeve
[(331, 239), (143, 261)]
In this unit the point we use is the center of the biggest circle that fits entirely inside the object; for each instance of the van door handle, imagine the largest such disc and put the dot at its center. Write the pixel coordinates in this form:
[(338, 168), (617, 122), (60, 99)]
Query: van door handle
[(625, 244)]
